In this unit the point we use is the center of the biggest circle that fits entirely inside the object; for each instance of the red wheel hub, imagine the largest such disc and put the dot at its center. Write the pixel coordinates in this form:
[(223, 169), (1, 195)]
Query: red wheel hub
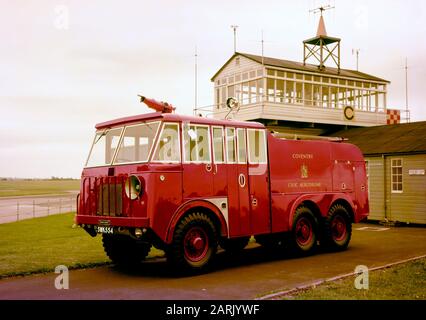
[(304, 232), (196, 244), (338, 227)]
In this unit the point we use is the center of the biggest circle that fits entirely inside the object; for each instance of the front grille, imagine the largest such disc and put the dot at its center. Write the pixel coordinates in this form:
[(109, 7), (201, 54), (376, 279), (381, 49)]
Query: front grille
[(110, 200), (104, 196)]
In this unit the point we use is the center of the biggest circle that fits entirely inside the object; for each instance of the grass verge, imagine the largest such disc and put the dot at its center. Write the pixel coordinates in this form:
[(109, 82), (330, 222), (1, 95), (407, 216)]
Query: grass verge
[(39, 245), (402, 282), (11, 188)]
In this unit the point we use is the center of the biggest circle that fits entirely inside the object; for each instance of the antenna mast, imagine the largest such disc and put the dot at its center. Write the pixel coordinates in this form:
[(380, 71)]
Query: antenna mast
[(263, 44), (356, 51), (407, 112), (195, 81), (234, 27)]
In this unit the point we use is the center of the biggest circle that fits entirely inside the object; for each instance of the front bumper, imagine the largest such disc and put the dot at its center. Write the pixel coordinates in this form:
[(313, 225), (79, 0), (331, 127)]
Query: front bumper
[(130, 222)]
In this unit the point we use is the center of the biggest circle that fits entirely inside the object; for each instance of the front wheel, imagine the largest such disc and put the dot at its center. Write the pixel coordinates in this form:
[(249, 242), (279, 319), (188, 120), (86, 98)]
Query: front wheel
[(337, 229), (194, 243), (125, 251)]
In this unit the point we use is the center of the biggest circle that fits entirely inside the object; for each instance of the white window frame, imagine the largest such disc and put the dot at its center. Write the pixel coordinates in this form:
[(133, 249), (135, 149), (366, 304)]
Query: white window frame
[(235, 145), (158, 142), (223, 145), (392, 175), (248, 146), (239, 161), (184, 142), (115, 152)]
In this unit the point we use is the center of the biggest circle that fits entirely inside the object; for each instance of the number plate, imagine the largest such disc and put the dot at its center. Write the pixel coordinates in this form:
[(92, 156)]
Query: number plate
[(103, 229)]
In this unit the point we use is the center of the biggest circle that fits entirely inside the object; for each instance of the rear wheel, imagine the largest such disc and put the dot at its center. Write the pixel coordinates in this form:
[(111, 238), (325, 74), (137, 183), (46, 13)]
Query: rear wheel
[(337, 228), (125, 251), (194, 243), (304, 231)]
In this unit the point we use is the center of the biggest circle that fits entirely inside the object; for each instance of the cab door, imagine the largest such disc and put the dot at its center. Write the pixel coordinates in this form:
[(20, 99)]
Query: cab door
[(197, 161), (258, 176), (220, 172), (238, 190)]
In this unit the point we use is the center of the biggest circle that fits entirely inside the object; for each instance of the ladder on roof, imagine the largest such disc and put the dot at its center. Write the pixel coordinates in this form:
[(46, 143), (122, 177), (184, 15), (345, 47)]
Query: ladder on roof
[(293, 136)]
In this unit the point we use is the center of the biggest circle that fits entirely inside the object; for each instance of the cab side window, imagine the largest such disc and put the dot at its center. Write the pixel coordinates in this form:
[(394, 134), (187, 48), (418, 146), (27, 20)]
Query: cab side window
[(241, 139), (218, 154), (168, 147), (257, 146), (196, 143), (230, 145)]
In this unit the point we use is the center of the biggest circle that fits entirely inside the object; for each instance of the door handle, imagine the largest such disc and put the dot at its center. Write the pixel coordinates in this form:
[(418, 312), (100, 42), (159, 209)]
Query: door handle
[(208, 167)]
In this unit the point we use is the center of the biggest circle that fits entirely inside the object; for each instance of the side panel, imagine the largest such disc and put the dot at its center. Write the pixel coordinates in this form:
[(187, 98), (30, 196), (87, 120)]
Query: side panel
[(297, 168), (164, 195), (410, 204), (376, 186)]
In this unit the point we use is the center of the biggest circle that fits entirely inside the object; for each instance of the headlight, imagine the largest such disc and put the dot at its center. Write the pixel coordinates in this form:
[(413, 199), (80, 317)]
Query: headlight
[(133, 187)]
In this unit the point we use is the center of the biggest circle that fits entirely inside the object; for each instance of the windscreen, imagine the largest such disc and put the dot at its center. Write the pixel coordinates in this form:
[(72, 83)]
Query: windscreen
[(137, 142), (103, 147)]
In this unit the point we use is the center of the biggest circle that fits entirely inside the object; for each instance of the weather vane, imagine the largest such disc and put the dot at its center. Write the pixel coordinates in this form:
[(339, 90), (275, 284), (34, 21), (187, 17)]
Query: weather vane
[(321, 9)]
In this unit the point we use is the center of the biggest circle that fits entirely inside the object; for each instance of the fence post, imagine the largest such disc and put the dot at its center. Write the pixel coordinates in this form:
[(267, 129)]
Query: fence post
[(48, 206), (33, 208), (60, 204), (17, 210)]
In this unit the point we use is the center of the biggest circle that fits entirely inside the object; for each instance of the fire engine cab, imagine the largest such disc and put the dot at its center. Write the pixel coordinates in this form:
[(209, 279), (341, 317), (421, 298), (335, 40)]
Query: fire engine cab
[(187, 185)]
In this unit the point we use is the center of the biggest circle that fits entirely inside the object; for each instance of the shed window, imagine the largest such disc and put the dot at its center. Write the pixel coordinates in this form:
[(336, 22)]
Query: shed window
[(396, 175)]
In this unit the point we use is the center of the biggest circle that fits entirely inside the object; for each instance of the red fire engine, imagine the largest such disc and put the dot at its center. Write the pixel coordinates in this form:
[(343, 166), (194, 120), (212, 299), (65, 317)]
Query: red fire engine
[(188, 184)]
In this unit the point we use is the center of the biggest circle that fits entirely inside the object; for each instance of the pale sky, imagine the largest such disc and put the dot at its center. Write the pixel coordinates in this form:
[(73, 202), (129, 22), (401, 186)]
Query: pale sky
[(67, 65)]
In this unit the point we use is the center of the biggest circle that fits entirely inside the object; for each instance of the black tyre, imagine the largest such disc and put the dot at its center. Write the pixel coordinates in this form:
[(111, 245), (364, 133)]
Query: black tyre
[(234, 245), (304, 231), (125, 251), (337, 229), (194, 243)]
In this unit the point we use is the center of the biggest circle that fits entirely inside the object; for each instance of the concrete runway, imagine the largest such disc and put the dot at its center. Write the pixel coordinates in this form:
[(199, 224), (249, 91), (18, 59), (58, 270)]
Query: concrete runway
[(253, 273), (26, 207)]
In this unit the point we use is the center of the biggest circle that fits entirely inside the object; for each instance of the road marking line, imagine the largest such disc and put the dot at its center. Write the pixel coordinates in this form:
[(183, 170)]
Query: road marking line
[(378, 229), (316, 283)]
